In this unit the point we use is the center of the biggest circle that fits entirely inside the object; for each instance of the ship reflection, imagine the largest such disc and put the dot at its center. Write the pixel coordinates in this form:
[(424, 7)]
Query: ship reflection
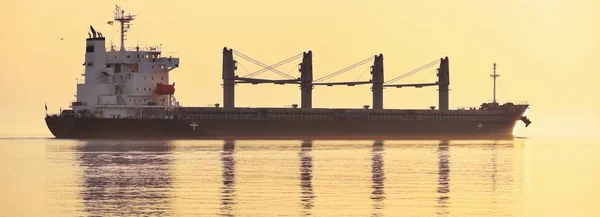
[(228, 188), (377, 177), (307, 194), (443, 177), (494, 172), (125, 178)]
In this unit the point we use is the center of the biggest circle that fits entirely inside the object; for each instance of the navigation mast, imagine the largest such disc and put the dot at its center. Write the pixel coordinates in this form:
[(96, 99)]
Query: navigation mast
[(494, 76), (125, 21)]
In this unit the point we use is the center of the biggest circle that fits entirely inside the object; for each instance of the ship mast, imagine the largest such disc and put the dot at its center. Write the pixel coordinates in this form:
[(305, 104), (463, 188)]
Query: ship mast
[(125, 21), (494, 76)]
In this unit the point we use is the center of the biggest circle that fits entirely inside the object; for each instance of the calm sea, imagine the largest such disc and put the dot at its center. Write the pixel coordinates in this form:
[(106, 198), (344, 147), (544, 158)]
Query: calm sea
[(522, 177)]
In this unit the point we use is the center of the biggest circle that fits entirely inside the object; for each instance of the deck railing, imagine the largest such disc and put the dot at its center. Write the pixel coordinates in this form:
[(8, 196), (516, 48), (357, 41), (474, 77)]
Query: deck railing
[(317, 116), (154, 48)]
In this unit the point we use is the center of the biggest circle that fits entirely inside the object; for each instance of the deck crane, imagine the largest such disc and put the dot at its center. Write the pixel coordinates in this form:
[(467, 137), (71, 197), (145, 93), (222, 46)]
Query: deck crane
[(230, 78), (378, 83), (320, 81), (267, 67), (376, 79), (306, 77), (443, 74), (390, 82)]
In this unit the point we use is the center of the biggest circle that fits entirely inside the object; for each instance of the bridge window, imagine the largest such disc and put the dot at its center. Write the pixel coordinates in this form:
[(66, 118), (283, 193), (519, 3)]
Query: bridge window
[(90, 64), (117, 68)]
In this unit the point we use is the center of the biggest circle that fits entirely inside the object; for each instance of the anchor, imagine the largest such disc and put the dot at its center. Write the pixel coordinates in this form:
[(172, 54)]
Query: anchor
[(526, 120)]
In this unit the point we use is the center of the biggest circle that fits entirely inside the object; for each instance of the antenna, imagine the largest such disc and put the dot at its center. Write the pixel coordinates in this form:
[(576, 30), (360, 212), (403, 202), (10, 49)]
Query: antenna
[(494, 76), (125, 21)]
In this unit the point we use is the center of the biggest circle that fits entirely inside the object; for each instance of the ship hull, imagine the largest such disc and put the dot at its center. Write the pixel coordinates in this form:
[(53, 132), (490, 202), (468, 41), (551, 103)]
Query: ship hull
[(98, 128)]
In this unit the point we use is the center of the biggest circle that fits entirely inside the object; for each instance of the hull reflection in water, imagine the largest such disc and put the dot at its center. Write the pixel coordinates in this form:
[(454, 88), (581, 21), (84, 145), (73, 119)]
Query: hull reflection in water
[(128, 179), (377, 177), (317, 178), (228, 189), (443, 177), (306, 165)]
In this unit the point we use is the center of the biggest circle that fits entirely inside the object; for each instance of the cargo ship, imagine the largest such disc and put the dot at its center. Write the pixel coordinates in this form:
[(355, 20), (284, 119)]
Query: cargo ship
[(126, 93)]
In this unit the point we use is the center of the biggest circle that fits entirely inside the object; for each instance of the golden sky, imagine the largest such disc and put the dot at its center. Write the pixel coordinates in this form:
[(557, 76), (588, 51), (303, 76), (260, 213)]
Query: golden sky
[(545, 51)]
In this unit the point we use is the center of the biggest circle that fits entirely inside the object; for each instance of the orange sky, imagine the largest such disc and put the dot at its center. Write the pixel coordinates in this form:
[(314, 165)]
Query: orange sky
[(545, 52)]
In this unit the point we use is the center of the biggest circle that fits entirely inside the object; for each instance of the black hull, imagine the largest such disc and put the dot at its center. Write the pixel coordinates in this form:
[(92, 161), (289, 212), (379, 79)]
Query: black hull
[(96, 128)]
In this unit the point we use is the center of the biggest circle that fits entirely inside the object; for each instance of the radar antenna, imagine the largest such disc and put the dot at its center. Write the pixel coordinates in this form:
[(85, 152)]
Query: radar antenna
[(494, 76), (125, 21)]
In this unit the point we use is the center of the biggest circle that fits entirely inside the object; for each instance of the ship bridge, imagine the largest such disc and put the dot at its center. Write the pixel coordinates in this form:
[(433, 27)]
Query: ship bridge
[(117, 82)]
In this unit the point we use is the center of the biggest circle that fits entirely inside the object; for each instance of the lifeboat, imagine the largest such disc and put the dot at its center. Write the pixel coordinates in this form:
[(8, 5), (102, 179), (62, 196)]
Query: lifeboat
[(164, 89)]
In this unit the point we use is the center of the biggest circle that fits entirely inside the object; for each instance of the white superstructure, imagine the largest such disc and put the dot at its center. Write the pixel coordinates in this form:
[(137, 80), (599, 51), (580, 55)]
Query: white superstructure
[(121, 83)]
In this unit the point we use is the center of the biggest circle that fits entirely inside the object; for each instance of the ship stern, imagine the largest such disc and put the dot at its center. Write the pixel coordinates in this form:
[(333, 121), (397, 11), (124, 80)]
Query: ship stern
[(60, 127)]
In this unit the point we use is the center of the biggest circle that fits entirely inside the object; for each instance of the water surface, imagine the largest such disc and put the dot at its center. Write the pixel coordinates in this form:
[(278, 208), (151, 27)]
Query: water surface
[(543, 177)]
